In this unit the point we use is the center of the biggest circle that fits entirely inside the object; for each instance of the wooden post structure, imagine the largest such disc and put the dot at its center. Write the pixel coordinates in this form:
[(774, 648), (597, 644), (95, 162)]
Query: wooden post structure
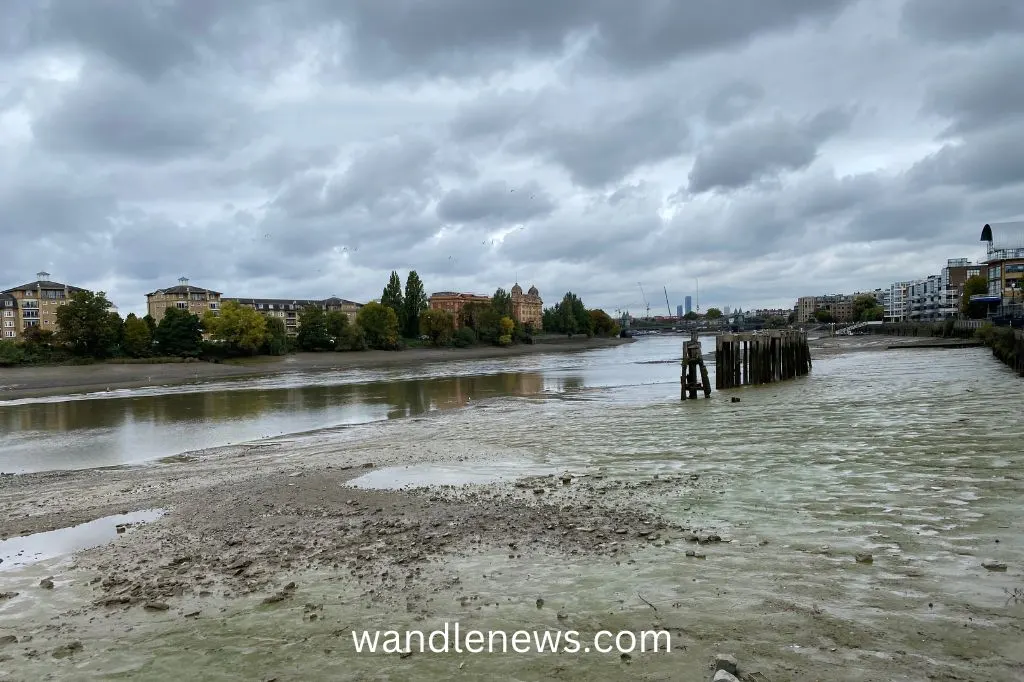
[(693, 362), (751, 358)]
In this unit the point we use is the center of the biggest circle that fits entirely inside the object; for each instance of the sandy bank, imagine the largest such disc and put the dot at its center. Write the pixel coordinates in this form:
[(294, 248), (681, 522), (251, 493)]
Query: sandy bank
[(30, 382)]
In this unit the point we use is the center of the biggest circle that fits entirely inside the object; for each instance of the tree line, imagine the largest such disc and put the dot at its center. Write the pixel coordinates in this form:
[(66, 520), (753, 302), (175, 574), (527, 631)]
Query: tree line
[(88, 330)]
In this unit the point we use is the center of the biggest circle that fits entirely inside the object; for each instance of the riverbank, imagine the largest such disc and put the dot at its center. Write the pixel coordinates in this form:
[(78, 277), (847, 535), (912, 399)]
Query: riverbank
[(34, 382), (830, 346)]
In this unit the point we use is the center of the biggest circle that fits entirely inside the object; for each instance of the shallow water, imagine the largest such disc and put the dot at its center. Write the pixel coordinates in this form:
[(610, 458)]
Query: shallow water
[(910, 455), (459, 474), (19, 552), (133, 426)]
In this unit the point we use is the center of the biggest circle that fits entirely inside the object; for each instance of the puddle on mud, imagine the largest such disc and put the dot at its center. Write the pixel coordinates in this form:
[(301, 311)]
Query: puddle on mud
[(24, 551), (463, 473)]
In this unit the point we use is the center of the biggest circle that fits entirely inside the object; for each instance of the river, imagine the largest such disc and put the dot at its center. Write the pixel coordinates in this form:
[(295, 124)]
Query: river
[(911, 455)]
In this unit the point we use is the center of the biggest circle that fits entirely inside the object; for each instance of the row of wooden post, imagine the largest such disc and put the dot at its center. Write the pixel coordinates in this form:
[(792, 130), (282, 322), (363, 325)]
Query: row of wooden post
[(760, 357)]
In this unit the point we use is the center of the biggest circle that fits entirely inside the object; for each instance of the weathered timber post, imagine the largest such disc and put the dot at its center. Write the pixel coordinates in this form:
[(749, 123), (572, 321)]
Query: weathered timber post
[(693, 363), (748, 359)]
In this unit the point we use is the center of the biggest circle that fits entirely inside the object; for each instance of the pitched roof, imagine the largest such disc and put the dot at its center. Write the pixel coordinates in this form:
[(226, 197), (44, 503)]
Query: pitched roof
[(42, 284), (299, 302), (183, 289)]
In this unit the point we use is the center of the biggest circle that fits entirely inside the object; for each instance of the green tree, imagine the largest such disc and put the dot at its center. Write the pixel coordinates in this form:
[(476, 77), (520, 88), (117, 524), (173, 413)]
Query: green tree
[(151, 323), (974, 286), (438, 326), (506, 325), (470, 314), (823, 316), (464, 337), (415, 303), (352, 338), (275, 339), (713, 314), (867, 309), (584, 323), (179, 333), (87, 326), (488, 325), (242, 329), (691, 316), (337, 323), (602, 323), (138, 340), (502, 302), (12, 354), (392, 298), (379, 324), (313, 333), (550, 320)]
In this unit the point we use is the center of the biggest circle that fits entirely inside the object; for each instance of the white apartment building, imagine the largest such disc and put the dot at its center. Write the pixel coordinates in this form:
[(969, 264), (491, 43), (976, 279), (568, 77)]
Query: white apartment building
[(894, 301)]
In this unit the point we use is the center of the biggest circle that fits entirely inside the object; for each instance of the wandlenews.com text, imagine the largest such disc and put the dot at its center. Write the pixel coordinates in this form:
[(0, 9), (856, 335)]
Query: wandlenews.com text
[(452, 638)]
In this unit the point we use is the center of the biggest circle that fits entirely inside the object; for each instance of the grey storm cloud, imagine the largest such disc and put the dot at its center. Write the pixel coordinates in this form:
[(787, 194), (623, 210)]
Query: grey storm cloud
[(772, 148), (758, 149), (494, 201), (615, 142), (110, 114)]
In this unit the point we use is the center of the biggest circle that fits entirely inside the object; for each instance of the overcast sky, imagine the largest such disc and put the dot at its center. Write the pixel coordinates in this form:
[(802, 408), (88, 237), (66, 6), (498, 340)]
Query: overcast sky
[(305, 148)]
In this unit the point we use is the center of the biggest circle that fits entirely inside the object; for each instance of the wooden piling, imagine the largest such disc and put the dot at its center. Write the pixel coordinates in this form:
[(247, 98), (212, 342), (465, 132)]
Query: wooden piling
[(748, 359), (694, 374)]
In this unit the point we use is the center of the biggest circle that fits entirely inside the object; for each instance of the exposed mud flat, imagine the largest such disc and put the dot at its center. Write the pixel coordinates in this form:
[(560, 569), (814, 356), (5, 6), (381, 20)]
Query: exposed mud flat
[(247, 526), (814, 530)]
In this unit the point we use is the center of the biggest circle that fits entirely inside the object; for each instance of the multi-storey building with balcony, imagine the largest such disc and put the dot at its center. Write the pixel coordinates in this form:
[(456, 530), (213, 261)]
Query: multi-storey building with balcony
[(34, 304), (1005, 261), (925, 298), (894, 302), (184, 296), (289, 309), (954, 276)]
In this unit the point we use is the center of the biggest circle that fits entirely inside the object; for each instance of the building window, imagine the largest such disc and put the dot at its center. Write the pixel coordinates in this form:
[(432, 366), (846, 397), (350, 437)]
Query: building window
[(182, 305), (213, 306), (9, 334), (8, 313)]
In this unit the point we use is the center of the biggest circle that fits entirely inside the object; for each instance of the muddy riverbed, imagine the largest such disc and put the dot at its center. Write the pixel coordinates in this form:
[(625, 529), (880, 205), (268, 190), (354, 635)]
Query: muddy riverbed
[(861, 524)]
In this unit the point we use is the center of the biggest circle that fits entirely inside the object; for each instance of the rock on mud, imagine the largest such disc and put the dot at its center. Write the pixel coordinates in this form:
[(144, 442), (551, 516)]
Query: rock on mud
[(994, 565), (726, 662), (67, 650)]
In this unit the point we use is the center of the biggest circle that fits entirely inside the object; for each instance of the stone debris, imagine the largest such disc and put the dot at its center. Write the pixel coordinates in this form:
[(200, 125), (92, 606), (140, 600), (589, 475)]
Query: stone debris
[(864, 558), (46, 583), (726, 662), (66, 650), (994, 565), (725, 668)]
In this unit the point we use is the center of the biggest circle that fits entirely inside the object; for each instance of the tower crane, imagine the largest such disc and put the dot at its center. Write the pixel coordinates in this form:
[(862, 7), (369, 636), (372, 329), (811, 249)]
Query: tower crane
[(644, 296), (667, 304)]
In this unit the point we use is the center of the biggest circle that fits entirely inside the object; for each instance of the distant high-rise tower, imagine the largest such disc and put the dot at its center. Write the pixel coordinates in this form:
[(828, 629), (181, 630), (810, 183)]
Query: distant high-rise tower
[(688, 304), (679, 311), (725, 310)]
